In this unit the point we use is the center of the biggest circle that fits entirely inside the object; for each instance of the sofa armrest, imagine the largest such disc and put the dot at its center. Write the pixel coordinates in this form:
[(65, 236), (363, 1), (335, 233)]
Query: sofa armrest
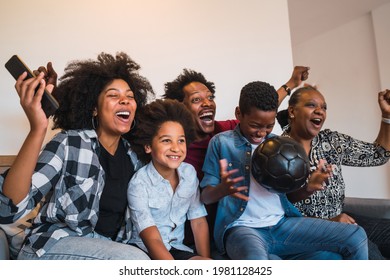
[(368, 207)]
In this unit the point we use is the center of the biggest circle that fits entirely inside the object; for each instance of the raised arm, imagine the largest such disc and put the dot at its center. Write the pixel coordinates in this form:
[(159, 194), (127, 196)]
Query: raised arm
[(384, 132), (299, 74), (18, 181)]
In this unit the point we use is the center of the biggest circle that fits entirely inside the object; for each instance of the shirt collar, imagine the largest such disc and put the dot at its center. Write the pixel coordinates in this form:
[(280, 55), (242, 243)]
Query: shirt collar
[(239, 139), (89, 133), (156, 177)]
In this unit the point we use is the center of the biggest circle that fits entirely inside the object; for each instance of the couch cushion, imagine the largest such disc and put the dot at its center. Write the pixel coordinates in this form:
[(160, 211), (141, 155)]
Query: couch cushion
[(15, 232)]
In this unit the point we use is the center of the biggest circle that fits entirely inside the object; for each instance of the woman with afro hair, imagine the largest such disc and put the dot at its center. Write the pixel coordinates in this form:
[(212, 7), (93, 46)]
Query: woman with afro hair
[(81, 176)]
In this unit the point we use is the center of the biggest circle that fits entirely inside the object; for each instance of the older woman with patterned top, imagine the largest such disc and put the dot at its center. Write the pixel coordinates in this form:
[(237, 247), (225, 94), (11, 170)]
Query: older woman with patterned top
[(303, 121)]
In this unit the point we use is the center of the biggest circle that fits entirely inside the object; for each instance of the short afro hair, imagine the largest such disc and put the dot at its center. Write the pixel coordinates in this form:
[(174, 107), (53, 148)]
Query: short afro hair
[(150, 120), (174, 89), (84, 80), (260, 95)]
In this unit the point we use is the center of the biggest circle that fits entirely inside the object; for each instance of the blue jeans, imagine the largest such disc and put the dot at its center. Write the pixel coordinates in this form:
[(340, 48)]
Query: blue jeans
[(4, 250), (90, 247), (298, 238)]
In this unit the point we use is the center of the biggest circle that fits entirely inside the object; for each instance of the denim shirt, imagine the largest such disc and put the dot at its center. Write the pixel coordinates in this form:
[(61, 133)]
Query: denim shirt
[(237, 150), (69, 178), (153, 203)]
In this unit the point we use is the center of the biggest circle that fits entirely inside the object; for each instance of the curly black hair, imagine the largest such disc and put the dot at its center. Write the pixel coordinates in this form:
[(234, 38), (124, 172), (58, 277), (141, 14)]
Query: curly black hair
[(152, 116), (260, 95), (84, 80), (174, 89)]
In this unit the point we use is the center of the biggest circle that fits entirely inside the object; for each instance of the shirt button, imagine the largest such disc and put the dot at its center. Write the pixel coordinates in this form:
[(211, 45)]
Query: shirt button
[(241, 209), (248, 153), (247, 167), (230, 164)]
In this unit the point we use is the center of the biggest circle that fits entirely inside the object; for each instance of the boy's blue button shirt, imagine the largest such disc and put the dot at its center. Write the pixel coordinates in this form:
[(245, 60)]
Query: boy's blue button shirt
[(154, 203), (236, 149)]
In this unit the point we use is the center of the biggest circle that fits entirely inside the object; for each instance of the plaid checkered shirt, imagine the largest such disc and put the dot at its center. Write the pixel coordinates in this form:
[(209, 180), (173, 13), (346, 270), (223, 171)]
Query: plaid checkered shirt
[(70, 180)]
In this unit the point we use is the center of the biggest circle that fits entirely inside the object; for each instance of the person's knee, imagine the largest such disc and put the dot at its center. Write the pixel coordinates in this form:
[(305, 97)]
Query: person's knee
[(244, 243), (247, 253), (357, 244), (360, 237)]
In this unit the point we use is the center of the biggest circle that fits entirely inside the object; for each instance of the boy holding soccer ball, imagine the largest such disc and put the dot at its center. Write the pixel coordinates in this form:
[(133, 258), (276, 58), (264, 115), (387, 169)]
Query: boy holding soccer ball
[(252, 222)]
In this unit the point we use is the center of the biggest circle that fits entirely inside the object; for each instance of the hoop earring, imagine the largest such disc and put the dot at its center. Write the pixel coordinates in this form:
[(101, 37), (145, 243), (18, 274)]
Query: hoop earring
[(133, 125), (95, 120)]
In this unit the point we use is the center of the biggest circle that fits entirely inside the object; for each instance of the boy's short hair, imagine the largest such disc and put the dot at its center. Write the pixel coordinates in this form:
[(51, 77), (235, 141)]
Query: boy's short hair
[(260, 95), (152, 116)]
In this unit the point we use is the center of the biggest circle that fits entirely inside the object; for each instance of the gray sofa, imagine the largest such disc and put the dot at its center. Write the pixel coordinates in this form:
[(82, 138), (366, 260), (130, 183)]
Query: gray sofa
[(369, 207)]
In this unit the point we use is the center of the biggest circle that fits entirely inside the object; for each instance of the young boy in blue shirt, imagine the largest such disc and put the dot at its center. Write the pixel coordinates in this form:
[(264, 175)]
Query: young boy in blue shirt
[(165, 192), (251, 221)]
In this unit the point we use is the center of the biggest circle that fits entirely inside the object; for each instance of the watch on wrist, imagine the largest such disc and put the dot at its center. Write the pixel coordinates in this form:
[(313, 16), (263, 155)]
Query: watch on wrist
[(287, 89)]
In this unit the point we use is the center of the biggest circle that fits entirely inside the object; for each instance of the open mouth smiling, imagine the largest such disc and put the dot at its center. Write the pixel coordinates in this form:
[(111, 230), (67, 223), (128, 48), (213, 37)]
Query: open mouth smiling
[(174, 157), (123, 115), (316, 121), (207, 116)]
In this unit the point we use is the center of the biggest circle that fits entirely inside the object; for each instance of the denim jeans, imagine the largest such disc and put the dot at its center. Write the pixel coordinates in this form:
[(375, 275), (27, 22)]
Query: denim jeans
[(298, 238), (4, 251), (89, 247)]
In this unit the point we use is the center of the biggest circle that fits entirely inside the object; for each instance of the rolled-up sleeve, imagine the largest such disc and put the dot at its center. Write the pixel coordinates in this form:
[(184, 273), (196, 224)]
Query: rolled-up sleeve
[(46, 175)]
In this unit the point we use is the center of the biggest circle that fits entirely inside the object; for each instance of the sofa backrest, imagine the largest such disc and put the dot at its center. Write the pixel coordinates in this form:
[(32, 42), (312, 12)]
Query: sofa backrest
[(6, 162)]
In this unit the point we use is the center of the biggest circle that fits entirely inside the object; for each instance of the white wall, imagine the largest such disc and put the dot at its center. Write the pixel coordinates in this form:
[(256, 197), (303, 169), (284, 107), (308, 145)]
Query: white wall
[(344, 64), (381, 22), (231, 42)]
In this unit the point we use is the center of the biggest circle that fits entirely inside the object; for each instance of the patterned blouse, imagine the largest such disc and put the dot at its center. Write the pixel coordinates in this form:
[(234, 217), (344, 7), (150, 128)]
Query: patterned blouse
[(338, 149)]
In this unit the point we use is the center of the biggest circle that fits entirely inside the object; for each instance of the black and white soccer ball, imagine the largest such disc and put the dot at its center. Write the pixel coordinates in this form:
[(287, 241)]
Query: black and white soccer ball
[(280, 164)]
